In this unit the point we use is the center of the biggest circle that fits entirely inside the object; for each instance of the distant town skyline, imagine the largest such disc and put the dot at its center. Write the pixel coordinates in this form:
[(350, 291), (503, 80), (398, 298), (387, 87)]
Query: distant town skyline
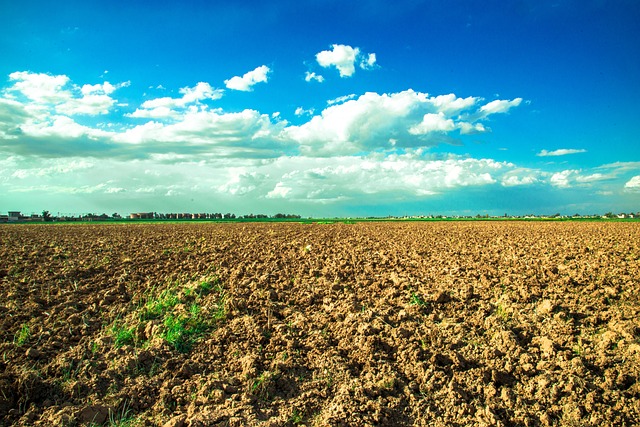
[(320, 108)]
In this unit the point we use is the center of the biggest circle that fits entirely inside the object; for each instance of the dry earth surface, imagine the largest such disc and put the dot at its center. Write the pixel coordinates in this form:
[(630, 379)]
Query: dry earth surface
[(409, 324)]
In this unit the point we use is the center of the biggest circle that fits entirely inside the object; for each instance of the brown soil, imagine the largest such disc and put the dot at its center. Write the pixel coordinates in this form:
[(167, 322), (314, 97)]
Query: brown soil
[(426, 324)]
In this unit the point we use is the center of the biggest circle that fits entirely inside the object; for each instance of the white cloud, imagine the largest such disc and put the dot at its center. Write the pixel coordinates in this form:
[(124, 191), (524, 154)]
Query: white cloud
[(560, 152), (381, 121), (212, 133), (433, 122), (91, 104), (495, 107), (309, 76), (301, 111), (368, 62), (576, 178), (40, 88), (561, 179), (472, 129), (167, 107), (451, 104), (633, 184), (595, 177), (517, 180), (248, 80), (280, 191), (243, 182), (63, 127), (48, 92), (395, 176), (341, 99), (344, 58)]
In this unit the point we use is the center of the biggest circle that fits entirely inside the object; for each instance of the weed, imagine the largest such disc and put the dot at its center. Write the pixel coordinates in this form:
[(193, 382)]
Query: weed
[(182, 331), (296, 417), (502, 313), (123, 417), (416, 299), (22, 336), (260, 385), (207, 285), (123, 335), (95, 347), (577, 349), (157, 307)]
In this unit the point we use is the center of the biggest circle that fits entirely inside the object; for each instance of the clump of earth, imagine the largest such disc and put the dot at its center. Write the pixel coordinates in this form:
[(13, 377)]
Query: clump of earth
[(287, 324)]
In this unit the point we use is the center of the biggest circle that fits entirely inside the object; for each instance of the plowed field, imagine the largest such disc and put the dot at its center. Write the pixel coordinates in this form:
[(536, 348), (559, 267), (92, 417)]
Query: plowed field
[(425, 324)]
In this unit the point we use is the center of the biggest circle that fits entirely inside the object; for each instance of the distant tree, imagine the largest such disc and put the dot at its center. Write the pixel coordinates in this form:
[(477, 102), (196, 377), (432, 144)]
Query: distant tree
[(46, 216)]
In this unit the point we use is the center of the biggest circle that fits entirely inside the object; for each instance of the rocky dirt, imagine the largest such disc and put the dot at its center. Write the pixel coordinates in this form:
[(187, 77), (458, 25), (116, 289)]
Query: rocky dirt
[(409, 324)]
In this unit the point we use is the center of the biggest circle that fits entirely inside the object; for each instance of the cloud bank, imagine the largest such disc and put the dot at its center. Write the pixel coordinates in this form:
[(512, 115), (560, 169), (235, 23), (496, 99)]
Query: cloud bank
[(357, 147)]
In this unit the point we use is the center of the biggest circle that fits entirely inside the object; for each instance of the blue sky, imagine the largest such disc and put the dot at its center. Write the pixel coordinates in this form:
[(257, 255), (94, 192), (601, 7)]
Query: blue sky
[(320, 107)]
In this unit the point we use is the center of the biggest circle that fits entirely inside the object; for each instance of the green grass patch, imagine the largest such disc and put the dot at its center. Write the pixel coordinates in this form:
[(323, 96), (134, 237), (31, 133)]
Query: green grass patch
[(123, 335), (185, 312), (22, 336), (182, 331), (157, 307)]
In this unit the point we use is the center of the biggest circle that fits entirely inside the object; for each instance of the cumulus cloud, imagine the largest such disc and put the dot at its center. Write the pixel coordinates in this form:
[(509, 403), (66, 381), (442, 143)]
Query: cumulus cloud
[(633, 184), (344, 58), (576, 178), (39, 87), (513, 180), (560, 152), (309, 76), (167, 107), (244, 134), (47, 92), (249, 79), (433, 122), (405, 175), (381, 121), (561, 179), (356, 146), (368, 62)]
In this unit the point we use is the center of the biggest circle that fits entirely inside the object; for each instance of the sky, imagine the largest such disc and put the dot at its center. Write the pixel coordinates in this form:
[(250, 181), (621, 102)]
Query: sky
[(320, 108)]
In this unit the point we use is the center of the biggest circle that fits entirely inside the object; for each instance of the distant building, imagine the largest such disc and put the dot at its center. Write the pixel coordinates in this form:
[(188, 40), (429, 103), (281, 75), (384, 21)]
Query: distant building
[(141, 215), (14, 216)]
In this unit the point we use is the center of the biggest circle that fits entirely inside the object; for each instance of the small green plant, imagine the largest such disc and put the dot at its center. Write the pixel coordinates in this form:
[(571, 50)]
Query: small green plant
[(502, 313), (577, 349), (205, 287), (296, 417), (416, 299), (155, 308), (124, 417), (123, 335), (94, 347), (182, 331), (22, 336), (260, 385)]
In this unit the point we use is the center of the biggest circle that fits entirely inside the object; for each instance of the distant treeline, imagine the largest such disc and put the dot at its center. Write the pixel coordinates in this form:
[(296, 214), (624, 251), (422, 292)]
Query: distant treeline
[(46, 216)]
